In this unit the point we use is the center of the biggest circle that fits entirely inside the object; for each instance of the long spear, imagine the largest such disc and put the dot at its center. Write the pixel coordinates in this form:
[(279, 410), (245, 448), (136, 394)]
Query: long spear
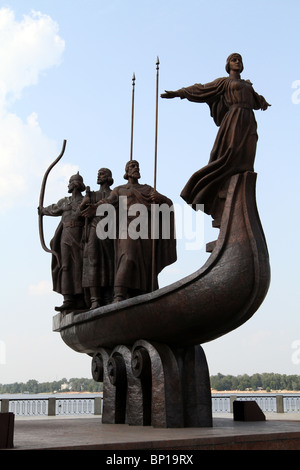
[(132, 115), (155, 172), (156, 122)]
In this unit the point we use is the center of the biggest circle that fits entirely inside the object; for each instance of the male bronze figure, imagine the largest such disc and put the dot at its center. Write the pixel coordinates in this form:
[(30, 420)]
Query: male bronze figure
[(67, 244), (133, 256), (98, 256)]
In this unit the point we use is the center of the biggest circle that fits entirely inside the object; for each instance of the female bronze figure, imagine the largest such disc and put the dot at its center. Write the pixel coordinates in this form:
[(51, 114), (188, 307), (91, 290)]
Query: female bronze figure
[(231, 101)]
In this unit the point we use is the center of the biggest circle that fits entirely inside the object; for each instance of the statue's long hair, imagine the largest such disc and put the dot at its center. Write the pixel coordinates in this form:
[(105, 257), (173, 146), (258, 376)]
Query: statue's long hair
[(108, 172)]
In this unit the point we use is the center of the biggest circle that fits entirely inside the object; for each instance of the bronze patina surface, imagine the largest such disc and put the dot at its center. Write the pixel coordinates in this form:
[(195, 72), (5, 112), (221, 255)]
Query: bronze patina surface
[(145, 341)]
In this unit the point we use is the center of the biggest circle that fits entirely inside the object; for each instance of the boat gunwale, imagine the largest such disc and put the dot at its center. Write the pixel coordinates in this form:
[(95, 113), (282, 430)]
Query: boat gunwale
[(64, 321)]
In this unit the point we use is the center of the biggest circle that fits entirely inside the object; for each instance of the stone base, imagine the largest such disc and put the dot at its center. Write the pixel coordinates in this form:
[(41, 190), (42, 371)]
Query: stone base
[(89, 433), (6, 430), (247, 411), (153, 384)]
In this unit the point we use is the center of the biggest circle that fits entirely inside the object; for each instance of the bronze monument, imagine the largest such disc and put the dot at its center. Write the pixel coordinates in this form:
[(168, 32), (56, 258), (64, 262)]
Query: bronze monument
[(231, 101), (146, 348), (98, 255), (67, 244), (133, 256)]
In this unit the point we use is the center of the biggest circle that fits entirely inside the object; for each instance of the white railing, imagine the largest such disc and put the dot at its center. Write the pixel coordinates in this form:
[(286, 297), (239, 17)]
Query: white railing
[(53, 406), (269, 403), (291, 403), (221, 404), (29, 407), (92, 405), (74, 406)]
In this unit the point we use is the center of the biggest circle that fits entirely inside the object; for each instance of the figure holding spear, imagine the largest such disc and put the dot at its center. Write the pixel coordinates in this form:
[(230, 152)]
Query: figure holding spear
[(136, 270)]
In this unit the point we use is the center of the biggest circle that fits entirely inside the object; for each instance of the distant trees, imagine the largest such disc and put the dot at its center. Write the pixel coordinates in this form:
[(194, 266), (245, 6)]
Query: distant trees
[(265, 381), (63, 385), (85, 385)]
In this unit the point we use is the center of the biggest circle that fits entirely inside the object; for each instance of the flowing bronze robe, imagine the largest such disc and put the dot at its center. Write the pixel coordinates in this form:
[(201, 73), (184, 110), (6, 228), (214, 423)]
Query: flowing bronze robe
[(98, 255), (133, 257), (231, 103)]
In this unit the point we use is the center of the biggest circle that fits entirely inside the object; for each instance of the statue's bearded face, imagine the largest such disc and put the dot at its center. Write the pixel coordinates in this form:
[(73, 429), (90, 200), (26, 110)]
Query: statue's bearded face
[(133, 169)]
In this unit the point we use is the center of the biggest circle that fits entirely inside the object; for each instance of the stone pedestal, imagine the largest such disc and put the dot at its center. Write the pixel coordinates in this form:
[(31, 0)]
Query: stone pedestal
[(154, 384), (247, 411), (7, 423)]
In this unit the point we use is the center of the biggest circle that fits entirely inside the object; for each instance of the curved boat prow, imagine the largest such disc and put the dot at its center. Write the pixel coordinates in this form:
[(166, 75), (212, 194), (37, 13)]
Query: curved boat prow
[(216, 299)]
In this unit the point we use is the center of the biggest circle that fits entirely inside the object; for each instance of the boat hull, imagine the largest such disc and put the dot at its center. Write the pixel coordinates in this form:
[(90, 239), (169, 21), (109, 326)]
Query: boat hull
[(216, 299)]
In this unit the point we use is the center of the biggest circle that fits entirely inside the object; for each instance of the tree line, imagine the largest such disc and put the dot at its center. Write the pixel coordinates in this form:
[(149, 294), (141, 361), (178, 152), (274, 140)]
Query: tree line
[(256, 382), (59, 386)]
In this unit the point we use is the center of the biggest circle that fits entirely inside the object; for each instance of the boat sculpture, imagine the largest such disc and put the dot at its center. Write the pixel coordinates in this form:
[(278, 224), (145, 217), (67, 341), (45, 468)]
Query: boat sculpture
[(147, 349), (216, 299), (219, 297)]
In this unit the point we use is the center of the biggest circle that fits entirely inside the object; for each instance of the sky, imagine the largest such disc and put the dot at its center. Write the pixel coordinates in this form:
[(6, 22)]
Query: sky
[(66, 73)]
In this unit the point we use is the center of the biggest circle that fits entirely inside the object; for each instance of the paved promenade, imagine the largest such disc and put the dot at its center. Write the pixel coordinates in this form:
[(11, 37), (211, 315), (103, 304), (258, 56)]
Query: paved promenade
[(279, 431)]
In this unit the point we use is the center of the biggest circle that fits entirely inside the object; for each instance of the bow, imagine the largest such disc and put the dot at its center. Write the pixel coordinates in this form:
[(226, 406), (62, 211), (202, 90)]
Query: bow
[(41, 203)]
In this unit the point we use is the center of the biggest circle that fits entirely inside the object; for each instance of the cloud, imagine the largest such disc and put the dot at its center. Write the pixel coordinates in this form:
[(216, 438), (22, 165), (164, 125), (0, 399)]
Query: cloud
[(58, 182), (259, 337), (27, 48), (41, 288), (172, 270)]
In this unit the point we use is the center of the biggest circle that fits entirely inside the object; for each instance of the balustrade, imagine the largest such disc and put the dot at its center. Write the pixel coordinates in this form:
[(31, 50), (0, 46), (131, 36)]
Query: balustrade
[(221, 403)]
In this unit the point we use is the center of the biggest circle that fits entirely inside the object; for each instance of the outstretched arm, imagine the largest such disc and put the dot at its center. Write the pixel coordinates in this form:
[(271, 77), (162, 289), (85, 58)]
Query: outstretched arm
[(170, 94), (53, 210), (264, 104), (199, 93), (261, 102)]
